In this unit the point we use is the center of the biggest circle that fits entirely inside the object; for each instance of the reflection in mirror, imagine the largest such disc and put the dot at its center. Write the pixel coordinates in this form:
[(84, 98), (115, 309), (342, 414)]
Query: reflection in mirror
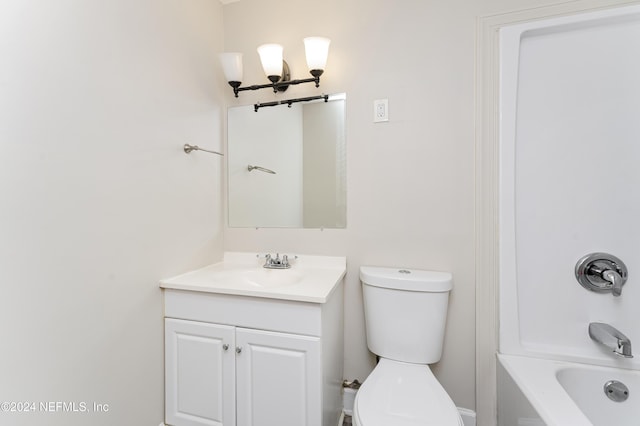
[(287, 165)]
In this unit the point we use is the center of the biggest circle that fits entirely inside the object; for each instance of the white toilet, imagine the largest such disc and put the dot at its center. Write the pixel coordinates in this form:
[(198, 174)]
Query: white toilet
[(405, 313)]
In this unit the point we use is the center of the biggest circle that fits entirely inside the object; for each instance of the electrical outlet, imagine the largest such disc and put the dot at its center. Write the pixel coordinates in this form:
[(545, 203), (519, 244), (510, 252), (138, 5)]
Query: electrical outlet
[(380, 110)]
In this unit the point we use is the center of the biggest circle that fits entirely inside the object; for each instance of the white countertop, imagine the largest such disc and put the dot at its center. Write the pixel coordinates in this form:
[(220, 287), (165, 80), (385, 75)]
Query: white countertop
[(310, 278)]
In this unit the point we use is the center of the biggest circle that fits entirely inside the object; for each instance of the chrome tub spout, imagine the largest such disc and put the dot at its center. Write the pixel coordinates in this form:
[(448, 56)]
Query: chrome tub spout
[(610, 337)]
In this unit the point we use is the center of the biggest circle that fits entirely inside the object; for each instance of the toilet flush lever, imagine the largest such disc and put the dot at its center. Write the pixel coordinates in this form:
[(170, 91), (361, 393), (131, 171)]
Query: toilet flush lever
[(601, 272)]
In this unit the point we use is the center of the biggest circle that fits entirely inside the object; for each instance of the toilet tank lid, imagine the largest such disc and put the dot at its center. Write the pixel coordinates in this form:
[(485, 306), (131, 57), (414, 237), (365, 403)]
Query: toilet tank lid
[(406, 279)]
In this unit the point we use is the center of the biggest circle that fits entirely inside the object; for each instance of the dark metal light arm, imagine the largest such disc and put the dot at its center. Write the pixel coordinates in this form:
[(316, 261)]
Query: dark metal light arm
[(289, 102), (281, 85)]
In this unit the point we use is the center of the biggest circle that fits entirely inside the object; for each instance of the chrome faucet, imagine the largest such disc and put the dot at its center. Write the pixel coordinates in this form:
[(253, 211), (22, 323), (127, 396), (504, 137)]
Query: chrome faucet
[(601, 272), (610, 276), (277, 263), (610, 337)]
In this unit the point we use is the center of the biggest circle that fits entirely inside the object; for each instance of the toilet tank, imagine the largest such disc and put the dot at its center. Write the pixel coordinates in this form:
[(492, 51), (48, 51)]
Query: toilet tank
[(405, 312)]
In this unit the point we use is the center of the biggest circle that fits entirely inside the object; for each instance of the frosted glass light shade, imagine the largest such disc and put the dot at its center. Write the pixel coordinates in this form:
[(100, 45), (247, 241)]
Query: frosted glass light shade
[(271, 58), (316, 50), (232, 65)]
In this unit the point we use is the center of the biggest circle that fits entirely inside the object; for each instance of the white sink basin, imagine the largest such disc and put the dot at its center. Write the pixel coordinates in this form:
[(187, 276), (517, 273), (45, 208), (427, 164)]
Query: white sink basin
[(310, 278), (271, 278)]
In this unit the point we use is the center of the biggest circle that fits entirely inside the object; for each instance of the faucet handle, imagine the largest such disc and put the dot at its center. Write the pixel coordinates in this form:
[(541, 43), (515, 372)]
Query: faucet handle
[(615, 279), (601, 272)]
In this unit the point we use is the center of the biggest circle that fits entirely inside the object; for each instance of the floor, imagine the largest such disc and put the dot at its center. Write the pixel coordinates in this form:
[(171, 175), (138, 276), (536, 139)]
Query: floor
[(347, 421)]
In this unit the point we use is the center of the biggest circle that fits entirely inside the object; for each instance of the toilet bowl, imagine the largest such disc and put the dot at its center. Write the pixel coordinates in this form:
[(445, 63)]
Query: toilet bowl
[(405, 313), (399, 394)]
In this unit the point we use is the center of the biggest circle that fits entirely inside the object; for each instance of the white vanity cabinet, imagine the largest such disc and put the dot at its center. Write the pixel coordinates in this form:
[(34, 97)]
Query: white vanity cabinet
[(278, 379), (199, 373), (237, 360)]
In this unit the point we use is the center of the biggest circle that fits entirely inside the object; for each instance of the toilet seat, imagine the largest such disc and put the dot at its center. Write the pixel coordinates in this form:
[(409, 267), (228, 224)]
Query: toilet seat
[(403, 394)]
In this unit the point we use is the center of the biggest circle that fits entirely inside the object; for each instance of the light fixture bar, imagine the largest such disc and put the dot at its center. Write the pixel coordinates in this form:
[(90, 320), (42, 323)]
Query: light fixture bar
[(280, 86), (316, 49), (289, 102)]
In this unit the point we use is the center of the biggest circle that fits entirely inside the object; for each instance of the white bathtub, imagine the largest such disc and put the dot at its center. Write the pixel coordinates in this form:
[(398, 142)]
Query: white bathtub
[(538, 392), (569, 94)]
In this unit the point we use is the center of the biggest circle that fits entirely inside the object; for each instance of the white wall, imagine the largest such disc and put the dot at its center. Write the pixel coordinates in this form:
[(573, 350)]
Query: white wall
[(410, 182), (98, 201)]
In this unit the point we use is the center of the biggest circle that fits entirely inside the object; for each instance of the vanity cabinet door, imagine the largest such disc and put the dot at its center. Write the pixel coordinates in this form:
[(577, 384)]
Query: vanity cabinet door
[(199, 373), (279, 379)]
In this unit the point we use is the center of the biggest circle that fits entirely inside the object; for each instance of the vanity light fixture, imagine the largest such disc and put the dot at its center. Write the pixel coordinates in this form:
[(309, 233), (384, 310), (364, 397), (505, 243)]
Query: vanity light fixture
[(276, 69), (289, 102)]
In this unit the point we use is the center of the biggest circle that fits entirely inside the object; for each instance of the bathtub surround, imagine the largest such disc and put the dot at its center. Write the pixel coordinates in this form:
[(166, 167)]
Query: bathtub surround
[(544, 222), (545, 219)]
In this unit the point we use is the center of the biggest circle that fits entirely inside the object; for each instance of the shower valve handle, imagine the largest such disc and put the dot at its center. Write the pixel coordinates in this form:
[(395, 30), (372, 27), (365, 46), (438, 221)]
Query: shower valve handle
[(601, 272), (615, 279)]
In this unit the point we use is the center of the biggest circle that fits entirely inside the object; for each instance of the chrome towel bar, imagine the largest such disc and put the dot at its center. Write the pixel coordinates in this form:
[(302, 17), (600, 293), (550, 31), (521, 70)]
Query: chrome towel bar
[(262, 169), (188, 148)]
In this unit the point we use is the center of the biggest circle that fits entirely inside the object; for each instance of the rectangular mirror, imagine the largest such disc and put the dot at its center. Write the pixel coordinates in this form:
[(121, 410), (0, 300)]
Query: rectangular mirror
[(287, 165)]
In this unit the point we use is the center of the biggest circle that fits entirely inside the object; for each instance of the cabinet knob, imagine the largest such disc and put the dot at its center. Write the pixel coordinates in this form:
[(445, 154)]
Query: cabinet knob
[(238, 349), (225, 347)]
